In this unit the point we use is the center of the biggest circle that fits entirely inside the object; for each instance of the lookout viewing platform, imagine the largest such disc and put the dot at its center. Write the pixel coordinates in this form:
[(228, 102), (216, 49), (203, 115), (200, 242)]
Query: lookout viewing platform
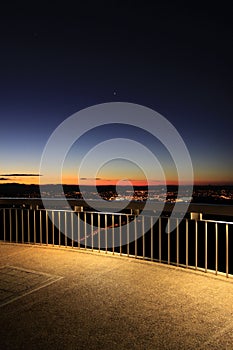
[(61, 298), (77, 279)]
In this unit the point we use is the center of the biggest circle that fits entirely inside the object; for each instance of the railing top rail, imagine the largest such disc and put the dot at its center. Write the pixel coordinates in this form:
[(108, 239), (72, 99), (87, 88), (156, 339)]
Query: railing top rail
[(124, 214), (212, 209)]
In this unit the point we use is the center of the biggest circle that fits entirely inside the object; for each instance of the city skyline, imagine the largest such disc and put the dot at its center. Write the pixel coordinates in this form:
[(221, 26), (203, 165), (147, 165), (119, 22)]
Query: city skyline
[(175, 59)]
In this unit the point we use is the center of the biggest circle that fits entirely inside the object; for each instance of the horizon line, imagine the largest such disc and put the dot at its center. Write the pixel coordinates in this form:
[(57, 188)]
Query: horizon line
[(123, 185)]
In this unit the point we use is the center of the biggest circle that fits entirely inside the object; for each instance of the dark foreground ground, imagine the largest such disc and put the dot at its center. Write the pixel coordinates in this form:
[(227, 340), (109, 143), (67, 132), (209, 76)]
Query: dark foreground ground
[(62, 299)]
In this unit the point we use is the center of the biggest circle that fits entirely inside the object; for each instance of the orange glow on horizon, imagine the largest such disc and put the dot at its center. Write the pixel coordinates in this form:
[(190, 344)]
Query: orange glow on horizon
[(72, 180)]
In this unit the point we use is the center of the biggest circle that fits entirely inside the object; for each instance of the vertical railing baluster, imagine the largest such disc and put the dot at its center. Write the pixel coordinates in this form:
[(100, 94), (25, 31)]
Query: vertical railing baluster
[(135, 237), (196, 244), (47, 227), (113, 234), (65, 228), (187, 243), (177, 243), (72, 228), (22, 225), (34, 225), (168, 242), (28, 215), (53, 227), (120, 232), (59, 228), (227, 251), (85, 230), (127, 218), (106, 232), (92, 232), (160, 240), (4, 225), (66, 232), (151, 239), (40, 227), (206, 242), (99, 232), (143, 237), (216, 248), (10, 224), (16, 226), (78, 230)]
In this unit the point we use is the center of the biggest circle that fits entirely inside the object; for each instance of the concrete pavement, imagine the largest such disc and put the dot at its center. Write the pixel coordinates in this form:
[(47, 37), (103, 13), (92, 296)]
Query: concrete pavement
[(55, 298)]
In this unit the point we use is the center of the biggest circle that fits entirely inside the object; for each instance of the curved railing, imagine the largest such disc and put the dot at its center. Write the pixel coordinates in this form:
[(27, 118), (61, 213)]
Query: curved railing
[(196, 243)]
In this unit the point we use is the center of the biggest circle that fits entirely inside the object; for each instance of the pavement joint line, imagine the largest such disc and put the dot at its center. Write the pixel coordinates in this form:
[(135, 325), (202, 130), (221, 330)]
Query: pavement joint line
[(30, 292), (28, 270), (50, 279)]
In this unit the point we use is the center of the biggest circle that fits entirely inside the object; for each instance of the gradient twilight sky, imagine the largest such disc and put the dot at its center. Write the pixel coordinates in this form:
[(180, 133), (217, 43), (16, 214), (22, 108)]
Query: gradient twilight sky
[(174, 58)]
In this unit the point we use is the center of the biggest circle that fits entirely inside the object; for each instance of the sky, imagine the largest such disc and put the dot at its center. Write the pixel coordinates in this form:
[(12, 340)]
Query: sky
[(175, 58)]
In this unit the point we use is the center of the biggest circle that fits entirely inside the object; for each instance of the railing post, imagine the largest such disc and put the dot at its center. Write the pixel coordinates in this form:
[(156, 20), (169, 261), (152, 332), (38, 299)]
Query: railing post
[(99, 232), (85, 230), (10, 219), (127, 218), (227, 252), (40, 227), (187, 243), (4, 225), (151, 239), (47, 227), (216, 248), (53, 228), (135, 237), (106, 232), (34, 224), (143, 237), (206, 266), (79, 230), (177, 243), (65, 224), (78, 214), (120, 232), (168, 242), (22, 225), (72, 228), (59, 228), (92, 232), (196, 244), (16, 226), (113, 234), (28, 216), (160, 243)]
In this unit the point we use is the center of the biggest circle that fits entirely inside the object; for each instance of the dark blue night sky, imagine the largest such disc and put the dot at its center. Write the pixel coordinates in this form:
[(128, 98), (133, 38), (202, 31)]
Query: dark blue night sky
[(174, 58)]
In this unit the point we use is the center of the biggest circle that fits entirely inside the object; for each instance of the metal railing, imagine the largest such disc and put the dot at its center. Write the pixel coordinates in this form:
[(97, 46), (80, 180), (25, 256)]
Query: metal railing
[(198, 244)]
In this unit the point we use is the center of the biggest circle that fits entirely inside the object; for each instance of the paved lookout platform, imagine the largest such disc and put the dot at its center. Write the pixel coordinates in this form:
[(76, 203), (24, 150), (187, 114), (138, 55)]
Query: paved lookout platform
[(53, 298)]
